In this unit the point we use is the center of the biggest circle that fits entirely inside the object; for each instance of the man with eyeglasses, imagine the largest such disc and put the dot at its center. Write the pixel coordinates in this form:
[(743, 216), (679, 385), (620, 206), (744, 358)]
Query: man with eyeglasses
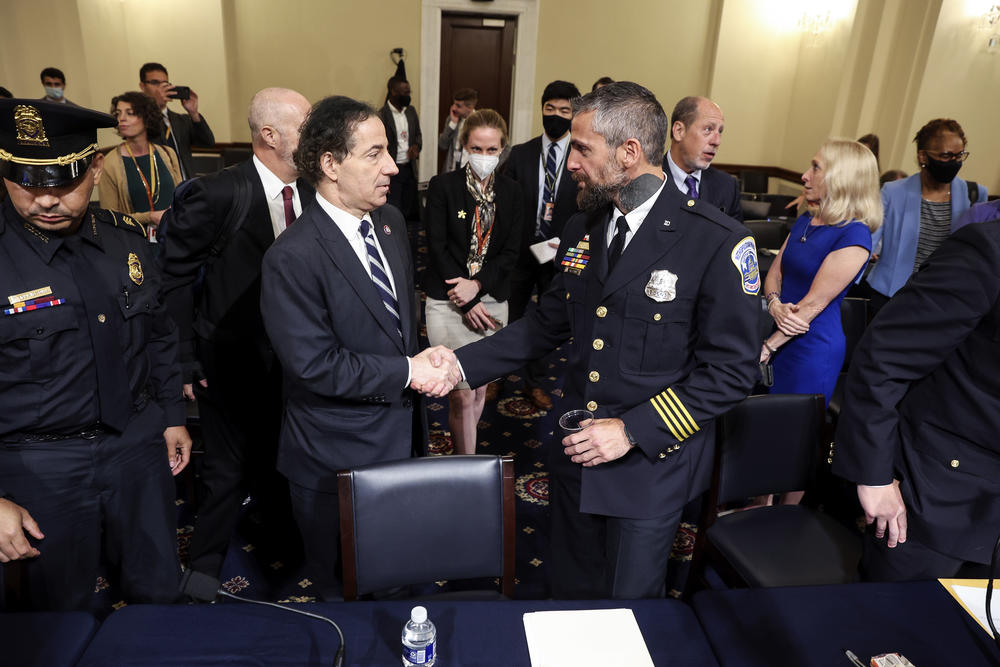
[(182, 129)]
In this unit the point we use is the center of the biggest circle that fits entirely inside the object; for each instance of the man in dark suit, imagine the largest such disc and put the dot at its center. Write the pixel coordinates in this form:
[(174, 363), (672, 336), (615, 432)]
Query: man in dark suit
[(182, 129), (239, 397), (657, 293), (338, 301), (539, 166), (402, 129), (696, 126), (918, 430)]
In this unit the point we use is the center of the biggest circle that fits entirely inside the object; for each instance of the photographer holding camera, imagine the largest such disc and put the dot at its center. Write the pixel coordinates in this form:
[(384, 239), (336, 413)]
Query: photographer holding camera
[(181, 129)]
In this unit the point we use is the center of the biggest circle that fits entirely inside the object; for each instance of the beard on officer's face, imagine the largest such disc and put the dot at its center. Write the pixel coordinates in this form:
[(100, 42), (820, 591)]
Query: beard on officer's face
[(595, 195)]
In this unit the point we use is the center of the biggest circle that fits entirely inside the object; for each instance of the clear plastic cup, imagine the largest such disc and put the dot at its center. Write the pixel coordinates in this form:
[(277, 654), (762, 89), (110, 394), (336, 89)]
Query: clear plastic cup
[(575, 421)]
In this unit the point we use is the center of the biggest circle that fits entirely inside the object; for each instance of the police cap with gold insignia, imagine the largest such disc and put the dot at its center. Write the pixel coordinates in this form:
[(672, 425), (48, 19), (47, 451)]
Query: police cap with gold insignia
[(46, 144)]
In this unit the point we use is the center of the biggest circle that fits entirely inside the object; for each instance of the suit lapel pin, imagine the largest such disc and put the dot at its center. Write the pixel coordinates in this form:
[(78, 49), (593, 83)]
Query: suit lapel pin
[(461, 215), (387, 230), (666, 223)]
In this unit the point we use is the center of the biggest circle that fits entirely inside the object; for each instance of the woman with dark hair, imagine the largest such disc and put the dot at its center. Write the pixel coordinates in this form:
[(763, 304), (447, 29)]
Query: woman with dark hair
[(921, 211), (473, 238), (139, 175)]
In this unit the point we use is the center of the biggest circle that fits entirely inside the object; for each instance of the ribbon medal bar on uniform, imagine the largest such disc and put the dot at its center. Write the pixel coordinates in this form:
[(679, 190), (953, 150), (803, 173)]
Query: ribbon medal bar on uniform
[(33, 304), (576, 258)]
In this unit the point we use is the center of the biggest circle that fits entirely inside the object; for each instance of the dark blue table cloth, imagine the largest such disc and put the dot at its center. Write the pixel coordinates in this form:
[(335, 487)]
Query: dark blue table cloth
[(811, 625), (469, 633), (44, 638)]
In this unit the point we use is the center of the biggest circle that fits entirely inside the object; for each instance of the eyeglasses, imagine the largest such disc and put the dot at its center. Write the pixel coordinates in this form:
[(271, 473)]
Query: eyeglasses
[(949, 157), (156, 82)]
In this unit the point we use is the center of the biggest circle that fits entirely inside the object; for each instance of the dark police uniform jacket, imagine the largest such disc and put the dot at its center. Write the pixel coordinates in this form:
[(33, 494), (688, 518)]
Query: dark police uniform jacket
[(48, 378), (922, 400), (345, 368), (667, 366)]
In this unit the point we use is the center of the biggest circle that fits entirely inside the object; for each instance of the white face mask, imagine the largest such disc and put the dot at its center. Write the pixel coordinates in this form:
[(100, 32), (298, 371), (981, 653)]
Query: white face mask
[(483, 165), (53, 92)]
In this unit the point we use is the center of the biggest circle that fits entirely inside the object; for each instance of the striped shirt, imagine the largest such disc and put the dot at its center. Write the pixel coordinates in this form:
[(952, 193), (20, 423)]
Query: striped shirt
[(935, 225)]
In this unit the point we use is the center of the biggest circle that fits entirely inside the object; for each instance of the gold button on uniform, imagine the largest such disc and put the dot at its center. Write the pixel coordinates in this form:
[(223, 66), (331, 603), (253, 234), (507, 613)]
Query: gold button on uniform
[(954, 463), (690, 202), (592, 405), (657, 317), (601, 311), (662, 455), (101, 318), (567, 296), (598, 344), (594, 376)]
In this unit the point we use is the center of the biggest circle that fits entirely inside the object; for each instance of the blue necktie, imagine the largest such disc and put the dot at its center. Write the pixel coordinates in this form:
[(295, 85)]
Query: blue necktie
[(692, 184), (549, 192), (379, 277)]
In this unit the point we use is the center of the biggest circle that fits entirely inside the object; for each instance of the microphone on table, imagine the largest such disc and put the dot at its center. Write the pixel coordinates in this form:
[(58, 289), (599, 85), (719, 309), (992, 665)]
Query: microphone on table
[(204, 588)]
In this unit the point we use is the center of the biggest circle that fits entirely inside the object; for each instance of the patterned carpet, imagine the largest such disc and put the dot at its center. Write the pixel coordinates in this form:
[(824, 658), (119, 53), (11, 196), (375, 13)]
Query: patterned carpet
[(260, 567)]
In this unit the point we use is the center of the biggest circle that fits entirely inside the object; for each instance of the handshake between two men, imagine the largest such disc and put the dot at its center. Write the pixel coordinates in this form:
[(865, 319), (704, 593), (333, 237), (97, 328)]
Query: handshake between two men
[(435, 371)]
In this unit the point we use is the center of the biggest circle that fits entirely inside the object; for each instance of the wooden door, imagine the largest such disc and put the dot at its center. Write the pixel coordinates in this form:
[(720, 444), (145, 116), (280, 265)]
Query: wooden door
[(477, 51)]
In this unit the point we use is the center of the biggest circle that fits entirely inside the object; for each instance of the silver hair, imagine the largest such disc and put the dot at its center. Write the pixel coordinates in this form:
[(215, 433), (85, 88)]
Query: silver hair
[(624, 110)]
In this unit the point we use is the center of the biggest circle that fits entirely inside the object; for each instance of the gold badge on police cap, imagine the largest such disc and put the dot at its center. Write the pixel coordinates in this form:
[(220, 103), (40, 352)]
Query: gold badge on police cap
[(662, 286), (134, 268), (28, 122)]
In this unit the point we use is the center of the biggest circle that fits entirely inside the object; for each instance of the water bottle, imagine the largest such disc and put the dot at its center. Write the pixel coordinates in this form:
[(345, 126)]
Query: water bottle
[(419, 639)]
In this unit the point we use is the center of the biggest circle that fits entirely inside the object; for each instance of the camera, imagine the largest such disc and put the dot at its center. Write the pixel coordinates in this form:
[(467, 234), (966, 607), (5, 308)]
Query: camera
[(180, 93)]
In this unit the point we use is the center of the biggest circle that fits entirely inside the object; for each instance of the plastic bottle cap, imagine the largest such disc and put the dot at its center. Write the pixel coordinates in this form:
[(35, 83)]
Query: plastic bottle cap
[(418, 615)]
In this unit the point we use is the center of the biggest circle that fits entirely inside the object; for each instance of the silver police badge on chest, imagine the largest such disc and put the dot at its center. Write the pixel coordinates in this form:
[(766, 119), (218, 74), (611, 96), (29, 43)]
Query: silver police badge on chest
[(662, 285)]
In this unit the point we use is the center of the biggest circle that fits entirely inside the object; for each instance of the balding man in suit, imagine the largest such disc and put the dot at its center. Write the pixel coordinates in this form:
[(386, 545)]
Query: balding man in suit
[(696, 126)]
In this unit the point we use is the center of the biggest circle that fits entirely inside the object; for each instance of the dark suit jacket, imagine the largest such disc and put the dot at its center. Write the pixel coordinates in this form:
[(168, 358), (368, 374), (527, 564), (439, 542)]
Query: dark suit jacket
[(666, 367), (185, 131), (523, 167), (717, 188), (346, 401), (413, 127), (450, 214), (922, 399), (228, 309)]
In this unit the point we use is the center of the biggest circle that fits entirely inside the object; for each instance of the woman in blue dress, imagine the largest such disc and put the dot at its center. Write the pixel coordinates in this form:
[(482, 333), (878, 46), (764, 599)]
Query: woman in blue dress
[(826, 252)]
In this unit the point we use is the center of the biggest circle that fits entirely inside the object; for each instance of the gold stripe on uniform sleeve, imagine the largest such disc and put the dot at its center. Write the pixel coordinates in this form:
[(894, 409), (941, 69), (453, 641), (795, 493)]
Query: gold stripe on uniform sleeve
[(683, 409), (681, 428), (665, 420)]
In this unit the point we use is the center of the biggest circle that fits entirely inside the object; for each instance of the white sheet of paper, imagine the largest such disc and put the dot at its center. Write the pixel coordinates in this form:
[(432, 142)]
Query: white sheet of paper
[(605, 637), (974, 599), (543, 252)]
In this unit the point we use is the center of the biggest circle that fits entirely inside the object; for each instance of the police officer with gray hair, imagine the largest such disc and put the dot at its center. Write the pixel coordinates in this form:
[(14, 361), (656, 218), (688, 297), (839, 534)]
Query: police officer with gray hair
[(91, 412)]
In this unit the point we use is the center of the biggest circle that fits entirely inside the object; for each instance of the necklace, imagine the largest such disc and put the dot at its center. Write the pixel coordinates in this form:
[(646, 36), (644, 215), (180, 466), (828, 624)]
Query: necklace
[(806, 232), (152, 191)]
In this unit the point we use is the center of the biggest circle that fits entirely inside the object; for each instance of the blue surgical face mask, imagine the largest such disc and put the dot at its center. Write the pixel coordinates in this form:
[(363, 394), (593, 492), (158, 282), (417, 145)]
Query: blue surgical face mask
[(54, 93)]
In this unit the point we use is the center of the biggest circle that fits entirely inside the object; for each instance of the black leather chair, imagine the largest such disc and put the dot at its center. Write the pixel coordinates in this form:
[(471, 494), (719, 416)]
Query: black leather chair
[(768, 444), (767, 234), (421, 520)]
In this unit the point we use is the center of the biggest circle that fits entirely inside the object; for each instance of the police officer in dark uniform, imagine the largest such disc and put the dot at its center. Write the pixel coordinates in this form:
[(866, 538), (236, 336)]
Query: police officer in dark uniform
[(918, 429), (658, 294), (91, 411)]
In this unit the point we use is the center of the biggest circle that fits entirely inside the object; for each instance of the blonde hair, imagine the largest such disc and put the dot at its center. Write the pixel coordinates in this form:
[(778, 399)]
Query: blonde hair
[(484, 118), (852, 187)]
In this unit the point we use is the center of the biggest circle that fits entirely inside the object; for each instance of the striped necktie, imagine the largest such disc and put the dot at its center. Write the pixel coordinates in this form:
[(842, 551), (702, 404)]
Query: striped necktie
[(549, 191), (379, 277)]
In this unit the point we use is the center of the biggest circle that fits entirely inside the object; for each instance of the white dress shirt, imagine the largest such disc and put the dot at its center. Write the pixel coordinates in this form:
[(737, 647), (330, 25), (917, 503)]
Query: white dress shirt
[(275, 202), (679, 176), (632, 218), (402, 134)]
